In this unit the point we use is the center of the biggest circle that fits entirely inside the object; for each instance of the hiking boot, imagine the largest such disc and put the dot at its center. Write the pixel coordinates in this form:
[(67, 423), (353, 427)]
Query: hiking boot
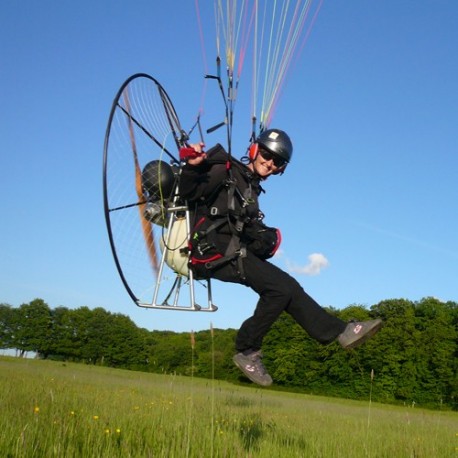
[(251, 365), (357, 332)]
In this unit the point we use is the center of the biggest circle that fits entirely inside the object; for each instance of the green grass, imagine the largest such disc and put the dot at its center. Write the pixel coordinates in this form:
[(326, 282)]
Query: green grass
[(51, 409)]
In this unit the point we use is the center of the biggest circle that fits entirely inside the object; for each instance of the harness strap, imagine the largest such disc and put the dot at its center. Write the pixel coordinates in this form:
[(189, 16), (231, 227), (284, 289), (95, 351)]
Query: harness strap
[(213, 226), (231, 196), (238, 255)]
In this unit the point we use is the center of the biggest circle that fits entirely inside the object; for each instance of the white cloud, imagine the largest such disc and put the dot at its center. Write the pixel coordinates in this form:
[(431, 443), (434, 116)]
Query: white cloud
[(317, 262)]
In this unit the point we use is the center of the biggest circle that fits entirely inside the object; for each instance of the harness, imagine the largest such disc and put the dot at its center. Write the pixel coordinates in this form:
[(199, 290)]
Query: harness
[(218, 210)]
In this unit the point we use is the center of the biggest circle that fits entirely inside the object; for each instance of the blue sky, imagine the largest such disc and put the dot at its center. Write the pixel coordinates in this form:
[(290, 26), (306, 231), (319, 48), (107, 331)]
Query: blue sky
[(371, 106)]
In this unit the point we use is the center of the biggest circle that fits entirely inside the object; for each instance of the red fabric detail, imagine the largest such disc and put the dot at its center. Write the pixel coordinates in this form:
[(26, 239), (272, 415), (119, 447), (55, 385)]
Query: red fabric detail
[(187, 152), (277, 245), (204, 261)]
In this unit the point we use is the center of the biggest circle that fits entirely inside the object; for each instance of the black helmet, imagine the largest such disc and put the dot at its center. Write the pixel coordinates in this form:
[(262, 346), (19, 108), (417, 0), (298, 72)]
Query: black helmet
[(277, 142)]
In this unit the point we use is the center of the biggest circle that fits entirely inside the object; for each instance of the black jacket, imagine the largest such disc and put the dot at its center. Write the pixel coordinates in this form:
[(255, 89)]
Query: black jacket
[(223, 196), (206, 187)]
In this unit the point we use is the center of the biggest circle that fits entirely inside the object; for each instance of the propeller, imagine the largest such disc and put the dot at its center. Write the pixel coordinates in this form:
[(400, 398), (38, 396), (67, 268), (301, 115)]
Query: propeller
[(147, 227)]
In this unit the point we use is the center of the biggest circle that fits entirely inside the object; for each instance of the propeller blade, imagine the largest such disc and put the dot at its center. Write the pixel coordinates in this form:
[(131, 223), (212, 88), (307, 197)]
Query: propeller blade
[(146, 225)]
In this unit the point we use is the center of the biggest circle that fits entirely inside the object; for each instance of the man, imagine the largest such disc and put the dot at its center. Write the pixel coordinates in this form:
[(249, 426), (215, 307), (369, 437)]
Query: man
[(231, 243)]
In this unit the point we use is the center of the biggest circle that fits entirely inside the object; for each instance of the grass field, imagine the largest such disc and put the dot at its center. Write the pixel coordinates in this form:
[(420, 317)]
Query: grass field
[(51, 409)]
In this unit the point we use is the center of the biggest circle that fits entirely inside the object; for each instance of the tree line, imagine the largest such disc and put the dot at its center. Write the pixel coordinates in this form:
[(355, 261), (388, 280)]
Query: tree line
[(413, 359)]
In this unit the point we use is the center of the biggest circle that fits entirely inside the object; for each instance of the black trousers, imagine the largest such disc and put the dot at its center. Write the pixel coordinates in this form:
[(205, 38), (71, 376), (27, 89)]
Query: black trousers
[(278, 292)]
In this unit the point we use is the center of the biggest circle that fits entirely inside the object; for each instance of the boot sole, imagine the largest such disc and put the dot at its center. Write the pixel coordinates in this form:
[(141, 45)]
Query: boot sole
[(365, 337), (250, 375)]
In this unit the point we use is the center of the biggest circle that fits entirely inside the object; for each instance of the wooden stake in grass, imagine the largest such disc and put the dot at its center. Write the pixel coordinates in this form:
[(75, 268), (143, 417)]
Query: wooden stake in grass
[(370, 399), (212, 335), (193, 346), (193, 341)]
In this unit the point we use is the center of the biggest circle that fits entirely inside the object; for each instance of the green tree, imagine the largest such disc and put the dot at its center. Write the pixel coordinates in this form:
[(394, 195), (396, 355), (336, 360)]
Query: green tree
[(214, 350), (7, 326), (97, 335), (171, 352), (437, 349), (287, 350), (396, 351), (33, 328), (124, 345), (62, 344)]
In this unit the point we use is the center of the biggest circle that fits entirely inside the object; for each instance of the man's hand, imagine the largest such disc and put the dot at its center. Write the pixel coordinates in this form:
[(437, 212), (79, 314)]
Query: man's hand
[(193, 154)]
